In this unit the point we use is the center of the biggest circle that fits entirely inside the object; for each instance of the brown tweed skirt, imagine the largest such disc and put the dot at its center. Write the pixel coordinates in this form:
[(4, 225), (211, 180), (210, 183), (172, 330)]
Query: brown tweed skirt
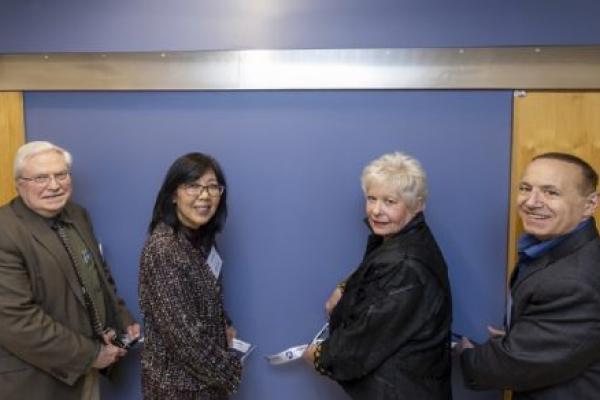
[(152, 391)]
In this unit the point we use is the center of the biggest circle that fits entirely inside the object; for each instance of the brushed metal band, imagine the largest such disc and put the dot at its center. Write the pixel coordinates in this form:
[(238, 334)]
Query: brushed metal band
[(555, 67)]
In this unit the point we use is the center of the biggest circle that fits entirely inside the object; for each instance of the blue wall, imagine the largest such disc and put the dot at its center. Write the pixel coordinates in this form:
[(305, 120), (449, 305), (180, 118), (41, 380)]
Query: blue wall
[(138, 25), (293, 159), (293, 162)]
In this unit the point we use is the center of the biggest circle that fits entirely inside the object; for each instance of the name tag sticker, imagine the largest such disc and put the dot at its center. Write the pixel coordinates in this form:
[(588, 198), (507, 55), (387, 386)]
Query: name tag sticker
[(242, 349), (214, 262)]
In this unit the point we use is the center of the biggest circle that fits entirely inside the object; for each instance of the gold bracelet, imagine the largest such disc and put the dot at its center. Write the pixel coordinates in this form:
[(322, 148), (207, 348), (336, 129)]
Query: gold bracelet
[(317, 361)]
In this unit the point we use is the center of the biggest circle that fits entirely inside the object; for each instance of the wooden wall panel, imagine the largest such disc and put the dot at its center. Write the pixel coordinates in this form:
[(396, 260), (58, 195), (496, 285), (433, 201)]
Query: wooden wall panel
[(551, 121), (12, 135), (546, 121)]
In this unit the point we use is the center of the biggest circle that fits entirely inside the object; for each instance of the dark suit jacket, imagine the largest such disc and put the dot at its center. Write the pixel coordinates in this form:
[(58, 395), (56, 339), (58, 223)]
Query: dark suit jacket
[(46, 340), (552, 350)]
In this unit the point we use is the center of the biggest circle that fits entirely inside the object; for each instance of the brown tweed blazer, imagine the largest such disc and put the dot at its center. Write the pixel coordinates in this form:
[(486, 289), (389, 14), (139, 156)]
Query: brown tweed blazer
[(184, 322)]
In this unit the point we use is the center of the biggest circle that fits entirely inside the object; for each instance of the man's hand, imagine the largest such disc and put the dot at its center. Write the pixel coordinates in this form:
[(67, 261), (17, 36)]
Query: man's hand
[(108, 336), (495, 332), (108, 355), (333, 299)]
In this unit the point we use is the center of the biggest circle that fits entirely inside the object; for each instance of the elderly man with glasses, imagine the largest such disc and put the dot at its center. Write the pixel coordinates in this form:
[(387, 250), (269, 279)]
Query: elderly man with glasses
[(59, 311)]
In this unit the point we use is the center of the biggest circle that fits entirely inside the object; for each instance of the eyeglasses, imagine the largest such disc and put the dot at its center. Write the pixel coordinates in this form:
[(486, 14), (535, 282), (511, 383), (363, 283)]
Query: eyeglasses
[(195, 189), (45, 179)]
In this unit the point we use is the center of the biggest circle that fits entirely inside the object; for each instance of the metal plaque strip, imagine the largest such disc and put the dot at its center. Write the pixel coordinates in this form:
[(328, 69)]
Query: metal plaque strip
[(570, 67)]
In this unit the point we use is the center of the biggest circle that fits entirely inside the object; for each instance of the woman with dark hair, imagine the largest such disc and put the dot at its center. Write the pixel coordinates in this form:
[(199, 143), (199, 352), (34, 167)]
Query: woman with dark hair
[(186, 353)]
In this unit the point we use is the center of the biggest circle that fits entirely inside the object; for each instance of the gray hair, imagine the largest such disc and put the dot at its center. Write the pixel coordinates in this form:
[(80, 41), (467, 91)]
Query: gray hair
[(402, 173), (31, 149)]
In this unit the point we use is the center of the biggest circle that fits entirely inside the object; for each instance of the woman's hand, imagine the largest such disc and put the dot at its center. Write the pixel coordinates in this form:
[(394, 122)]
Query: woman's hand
[(231, 334), (134, 331), (333, 299), (309, 354)]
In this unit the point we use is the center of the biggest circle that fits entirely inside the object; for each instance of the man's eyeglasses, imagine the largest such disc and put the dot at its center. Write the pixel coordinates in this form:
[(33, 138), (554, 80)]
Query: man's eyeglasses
[(45, 179), (195, 189)]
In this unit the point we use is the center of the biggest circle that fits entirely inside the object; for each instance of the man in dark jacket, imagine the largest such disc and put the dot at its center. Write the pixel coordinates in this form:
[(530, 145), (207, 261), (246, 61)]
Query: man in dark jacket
[(551, 348)]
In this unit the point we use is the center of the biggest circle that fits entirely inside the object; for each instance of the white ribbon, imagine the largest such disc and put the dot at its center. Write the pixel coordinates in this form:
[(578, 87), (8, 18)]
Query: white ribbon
[(294, 353), (287, 355)]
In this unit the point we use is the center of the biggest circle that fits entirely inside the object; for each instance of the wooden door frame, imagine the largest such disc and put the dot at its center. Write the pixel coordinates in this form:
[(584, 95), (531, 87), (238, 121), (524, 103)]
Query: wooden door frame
[(12, 136)]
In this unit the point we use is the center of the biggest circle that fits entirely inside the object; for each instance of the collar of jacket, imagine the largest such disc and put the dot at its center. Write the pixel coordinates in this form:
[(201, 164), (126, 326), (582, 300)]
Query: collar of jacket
[(573, 242), (375, 240), (22, 211), (41, 229), (530, 247), (185, 239)]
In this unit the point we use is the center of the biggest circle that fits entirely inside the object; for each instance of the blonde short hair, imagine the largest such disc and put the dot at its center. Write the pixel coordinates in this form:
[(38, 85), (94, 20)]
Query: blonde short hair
[(31, 149), (402, 173)]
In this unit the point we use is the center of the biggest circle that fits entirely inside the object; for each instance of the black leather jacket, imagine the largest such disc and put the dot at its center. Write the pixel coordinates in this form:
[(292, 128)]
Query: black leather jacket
[(390, 330)]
